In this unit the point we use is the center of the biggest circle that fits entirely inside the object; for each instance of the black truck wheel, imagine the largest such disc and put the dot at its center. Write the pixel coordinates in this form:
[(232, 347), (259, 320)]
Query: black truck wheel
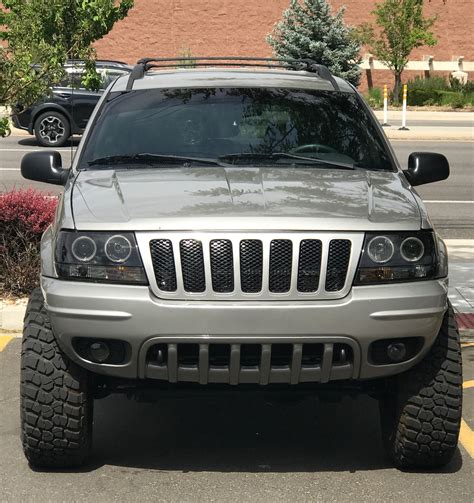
[(421, 413), (52, 129), (56, 404)]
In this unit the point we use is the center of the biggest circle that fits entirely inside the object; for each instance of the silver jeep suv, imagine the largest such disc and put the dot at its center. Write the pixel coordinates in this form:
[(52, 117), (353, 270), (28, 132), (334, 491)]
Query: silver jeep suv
[(241, 222)]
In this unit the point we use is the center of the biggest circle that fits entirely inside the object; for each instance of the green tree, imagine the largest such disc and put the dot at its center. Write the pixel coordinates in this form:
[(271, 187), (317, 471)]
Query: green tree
[(309, 29), (400, 26), (39, 36)]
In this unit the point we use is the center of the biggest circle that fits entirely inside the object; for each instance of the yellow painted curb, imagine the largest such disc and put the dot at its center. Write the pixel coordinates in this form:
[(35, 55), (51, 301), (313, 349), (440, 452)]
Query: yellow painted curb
[(4, 340), (466, 437)]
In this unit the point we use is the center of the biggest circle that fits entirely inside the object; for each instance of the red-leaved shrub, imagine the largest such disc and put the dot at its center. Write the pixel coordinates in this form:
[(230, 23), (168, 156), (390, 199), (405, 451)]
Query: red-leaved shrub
[(24, 215)]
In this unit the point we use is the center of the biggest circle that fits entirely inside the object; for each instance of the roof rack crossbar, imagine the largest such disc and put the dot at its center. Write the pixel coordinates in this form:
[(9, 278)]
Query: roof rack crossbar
[(145, 64)]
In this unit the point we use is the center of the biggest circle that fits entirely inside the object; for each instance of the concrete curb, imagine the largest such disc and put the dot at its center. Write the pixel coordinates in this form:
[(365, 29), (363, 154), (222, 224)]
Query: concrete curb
[(427, 115), (432, 133)]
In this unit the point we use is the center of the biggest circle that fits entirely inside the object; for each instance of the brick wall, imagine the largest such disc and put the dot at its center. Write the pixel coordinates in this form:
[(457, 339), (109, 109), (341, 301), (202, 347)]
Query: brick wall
[(239, 27)]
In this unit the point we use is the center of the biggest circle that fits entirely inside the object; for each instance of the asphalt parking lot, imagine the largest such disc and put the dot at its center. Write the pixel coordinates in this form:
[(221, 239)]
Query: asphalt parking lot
[(236, 448)]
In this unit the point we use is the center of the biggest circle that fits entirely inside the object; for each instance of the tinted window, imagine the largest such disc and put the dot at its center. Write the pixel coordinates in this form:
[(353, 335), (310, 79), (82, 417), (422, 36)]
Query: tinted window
[(217, 122)]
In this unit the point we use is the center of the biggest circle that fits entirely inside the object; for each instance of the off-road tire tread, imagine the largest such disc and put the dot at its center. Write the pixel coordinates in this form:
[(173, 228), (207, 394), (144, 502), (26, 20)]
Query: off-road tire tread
[(429, 405), (56, 406)]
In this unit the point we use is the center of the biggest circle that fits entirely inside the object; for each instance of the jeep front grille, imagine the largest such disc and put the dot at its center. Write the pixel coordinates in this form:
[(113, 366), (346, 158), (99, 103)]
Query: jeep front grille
[(255, 362), (229, 266)]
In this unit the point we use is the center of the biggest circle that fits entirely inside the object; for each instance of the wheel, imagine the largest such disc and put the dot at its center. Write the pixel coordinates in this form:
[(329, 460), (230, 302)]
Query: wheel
[(52, 129), (56, 404), (421, 414)]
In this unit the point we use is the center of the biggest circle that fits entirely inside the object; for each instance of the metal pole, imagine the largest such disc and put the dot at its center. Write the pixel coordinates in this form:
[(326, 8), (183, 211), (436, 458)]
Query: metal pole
[(385, 106), (404, 110)]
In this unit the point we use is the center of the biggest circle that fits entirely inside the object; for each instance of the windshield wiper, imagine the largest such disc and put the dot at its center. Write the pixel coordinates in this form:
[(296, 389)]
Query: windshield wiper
[(151, 159), (282, 155)]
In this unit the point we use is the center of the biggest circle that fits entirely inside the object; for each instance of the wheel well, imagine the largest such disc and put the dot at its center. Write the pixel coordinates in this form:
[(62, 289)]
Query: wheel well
[(51, 109)]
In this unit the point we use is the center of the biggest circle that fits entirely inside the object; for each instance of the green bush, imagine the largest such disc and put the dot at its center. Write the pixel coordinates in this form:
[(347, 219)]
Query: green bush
[(374, 97), (418, 97), (439, 91), (422, 90), (457, 85), (469, 99), (457, 102)]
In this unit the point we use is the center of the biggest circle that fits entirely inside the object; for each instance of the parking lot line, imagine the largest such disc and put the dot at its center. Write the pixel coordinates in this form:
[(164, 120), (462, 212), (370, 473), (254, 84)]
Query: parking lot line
[(466, 437), (468, 384), (4, 340)]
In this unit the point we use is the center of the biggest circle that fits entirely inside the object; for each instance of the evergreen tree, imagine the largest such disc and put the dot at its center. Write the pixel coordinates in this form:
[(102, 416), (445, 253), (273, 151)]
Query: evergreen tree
[(309, 29)]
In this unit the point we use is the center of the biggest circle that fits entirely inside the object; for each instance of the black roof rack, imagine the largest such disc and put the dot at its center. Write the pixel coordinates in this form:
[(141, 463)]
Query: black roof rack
[(98, 61), (145, 64)]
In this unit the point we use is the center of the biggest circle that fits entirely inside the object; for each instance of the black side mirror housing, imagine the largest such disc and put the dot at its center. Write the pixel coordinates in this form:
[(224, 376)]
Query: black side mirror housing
[(426, 167), (44, 167)]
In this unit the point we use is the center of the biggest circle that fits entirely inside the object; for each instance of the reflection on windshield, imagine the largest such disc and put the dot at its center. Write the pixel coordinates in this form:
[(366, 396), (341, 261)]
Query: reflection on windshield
[(220, 122)]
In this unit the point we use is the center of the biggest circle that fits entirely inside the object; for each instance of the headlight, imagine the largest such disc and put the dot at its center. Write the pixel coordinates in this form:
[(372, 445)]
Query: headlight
[(118, 248), (380, 249), (402, 256), (99, 257), (412, 249), (83, 248)]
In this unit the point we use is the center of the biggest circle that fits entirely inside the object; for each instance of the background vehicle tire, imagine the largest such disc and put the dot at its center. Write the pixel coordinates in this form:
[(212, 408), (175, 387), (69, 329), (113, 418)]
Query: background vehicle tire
[(52, 129), (421, 414), (56, 405)]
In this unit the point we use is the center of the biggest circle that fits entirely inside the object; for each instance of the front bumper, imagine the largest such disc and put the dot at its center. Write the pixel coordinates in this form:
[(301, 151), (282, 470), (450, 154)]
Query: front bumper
[(134, 315), (22, 121)]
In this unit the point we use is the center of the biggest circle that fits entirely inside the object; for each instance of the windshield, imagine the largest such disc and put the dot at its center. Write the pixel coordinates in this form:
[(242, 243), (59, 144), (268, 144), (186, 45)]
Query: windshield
[(251, 126)]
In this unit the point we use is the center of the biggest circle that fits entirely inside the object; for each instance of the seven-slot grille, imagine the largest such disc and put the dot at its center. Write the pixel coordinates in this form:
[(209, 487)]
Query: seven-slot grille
[(290, 361), (283, 265)]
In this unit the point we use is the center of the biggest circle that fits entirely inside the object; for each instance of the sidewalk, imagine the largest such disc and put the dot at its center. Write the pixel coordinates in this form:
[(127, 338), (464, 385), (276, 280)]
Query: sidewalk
[(441, 132), (461, 292), (461, 282), (429, 115)]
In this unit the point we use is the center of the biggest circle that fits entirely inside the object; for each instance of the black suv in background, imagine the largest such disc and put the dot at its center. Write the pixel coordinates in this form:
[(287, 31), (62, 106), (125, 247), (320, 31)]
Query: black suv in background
[(67, 109)]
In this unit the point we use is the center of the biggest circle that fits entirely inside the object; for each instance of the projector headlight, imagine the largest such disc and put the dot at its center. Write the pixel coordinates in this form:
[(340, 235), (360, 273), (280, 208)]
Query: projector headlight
[(99, 257), (401, 256)]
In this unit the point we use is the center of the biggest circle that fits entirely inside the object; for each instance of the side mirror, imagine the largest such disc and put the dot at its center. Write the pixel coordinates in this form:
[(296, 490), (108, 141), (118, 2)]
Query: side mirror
[(44, 167), (426, 167)]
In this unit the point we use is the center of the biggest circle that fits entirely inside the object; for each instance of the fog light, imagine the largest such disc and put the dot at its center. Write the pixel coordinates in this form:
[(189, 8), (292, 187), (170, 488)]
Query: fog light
[(99, 351), (396, 351)]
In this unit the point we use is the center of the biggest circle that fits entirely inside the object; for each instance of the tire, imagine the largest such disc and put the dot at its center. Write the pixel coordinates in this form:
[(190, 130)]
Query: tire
[(56, 404), (421, 414), (52, 129)]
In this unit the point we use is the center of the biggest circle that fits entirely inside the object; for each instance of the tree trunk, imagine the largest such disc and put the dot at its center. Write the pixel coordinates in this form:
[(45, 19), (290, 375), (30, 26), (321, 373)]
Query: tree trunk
[(396, 88)]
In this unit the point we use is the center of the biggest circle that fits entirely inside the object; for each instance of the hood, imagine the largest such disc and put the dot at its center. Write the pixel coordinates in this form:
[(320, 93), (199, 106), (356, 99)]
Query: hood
[(243, 198)]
